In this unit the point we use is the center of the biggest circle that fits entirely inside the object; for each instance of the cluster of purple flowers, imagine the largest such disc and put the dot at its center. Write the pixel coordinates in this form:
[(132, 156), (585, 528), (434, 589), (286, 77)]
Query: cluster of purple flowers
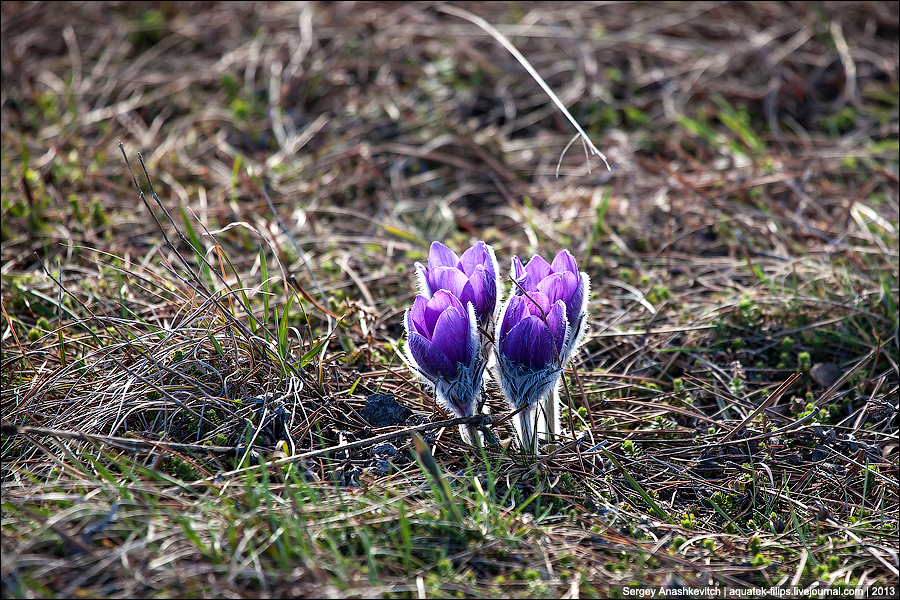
[(456, 323)]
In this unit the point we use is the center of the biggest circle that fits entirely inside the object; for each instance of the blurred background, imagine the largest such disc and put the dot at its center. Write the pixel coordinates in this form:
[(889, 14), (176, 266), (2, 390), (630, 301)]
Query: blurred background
[(365, 115)]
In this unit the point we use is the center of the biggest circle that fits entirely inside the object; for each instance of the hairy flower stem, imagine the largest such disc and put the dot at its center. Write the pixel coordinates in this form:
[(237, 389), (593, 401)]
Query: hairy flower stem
[(470, 435), (524, 424), (548, 418)]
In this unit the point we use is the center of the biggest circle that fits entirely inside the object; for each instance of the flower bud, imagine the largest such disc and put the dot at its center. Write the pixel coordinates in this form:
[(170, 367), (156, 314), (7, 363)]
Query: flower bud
[(559, 280), (473, 277), (442, 349), (532, 335), (541, 326)]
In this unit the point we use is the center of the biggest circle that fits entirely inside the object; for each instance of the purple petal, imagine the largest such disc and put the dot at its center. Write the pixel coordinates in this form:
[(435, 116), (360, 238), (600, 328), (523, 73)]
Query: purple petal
[(489, 292), (574, 305), (451, 335), (520, 276), (430, 358), (484, 287), (529, 343), (564, 263), (416, 321), (467, 295), (537, 304), (512, 345), (551, 314), (515, 311), (558, 286), (537, 268), (556, 321), (441, 256), (541, 352), (440, 302), (448, 278), (477, 282), (476, 256)]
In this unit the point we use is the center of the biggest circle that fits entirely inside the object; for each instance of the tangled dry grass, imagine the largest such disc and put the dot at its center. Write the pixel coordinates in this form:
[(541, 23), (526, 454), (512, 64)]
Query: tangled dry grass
[(188, 383)]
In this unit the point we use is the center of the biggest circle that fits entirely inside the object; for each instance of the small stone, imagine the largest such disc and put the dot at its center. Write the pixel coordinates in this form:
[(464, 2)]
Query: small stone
[(825, 374), (382, 410), (386, 448)]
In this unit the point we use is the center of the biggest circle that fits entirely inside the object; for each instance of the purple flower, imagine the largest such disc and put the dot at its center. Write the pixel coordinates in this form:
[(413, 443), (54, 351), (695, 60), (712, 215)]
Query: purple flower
[(541, 326), (533, 331), (473, 277), (438, 332), (559, 280), (530, 343), (442, 349)]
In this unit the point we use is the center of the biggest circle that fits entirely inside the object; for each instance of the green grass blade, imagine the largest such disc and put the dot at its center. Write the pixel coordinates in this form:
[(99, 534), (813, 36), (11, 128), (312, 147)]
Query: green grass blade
[(637, 487)]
